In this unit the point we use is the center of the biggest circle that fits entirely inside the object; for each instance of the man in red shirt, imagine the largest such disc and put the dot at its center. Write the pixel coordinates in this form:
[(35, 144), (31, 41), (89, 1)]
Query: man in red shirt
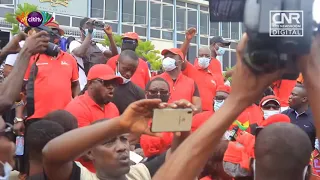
[(142, 75), (52, 81), (217, 47), (95, 103), (207, 82), (181, 87)]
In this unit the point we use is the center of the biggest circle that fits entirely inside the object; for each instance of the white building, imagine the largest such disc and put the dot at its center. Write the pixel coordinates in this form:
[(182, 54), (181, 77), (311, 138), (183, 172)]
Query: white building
[(161, 21)]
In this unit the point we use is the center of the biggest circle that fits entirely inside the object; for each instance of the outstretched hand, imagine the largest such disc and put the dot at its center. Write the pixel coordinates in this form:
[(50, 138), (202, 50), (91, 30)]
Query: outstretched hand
[(190, 33)]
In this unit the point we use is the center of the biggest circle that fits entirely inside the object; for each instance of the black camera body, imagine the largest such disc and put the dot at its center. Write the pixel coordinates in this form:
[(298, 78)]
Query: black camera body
[(279, 31), (53, 49)]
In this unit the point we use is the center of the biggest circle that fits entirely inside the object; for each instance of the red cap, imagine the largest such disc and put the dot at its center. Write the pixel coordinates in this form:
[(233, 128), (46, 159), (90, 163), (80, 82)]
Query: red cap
[(131, 35), (104, 72), (153, 146), (176, 51), (269, 98), (224, 88), (275, 119), (55, 25)]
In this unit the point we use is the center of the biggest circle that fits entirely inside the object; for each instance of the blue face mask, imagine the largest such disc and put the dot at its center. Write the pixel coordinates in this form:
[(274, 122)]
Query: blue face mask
[(221, 51), (217, 105), (93, 34)]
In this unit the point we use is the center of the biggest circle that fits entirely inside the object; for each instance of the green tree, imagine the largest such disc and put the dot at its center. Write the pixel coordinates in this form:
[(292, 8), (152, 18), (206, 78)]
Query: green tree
[(11, 17), (145, 49)]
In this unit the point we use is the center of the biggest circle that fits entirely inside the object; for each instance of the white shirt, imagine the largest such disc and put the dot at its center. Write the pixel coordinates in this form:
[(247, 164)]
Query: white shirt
[(82, 75), (11, 58)]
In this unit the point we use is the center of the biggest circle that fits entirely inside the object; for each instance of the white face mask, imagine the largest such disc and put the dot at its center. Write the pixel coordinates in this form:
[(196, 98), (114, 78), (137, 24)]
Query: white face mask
[(217, 105), (268, 113), (125, 80), (203, 62), (317, 144), (6, 169), (169, 64)]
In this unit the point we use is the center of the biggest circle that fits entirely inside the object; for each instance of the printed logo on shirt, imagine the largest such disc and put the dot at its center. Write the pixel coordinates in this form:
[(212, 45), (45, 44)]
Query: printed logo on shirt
[(213, 82), (64, 63), (306, 126), (39, 64)]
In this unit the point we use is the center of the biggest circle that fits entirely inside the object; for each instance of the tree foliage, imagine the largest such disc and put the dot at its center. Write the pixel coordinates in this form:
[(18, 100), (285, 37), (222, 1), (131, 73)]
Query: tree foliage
[(145, 49), (21, 8)]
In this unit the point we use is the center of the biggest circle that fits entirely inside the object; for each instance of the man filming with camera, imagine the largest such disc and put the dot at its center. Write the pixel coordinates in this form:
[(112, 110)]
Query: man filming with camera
[(88, 52), (52, 79)]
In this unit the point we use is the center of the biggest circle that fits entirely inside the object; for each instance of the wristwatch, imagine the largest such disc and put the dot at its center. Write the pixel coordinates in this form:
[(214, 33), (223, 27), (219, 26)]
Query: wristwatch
[(17, 120)]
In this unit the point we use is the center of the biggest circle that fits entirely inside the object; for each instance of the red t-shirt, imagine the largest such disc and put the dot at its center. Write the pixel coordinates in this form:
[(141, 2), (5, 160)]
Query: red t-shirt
[(52, 85), (282, 89), (199, 119), (215, 68), (206, 82), (141, 77)]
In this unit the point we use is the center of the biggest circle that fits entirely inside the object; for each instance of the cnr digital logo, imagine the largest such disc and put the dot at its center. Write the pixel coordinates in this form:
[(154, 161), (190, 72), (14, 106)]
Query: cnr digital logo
[(35, 18)]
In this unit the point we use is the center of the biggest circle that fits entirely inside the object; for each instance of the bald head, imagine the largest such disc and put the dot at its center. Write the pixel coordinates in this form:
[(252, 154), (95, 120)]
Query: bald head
[(204, 52), (282, 151)]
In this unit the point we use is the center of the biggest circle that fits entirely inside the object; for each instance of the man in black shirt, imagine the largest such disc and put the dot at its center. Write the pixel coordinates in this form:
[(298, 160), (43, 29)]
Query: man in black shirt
[(300, 113), (127, 92)]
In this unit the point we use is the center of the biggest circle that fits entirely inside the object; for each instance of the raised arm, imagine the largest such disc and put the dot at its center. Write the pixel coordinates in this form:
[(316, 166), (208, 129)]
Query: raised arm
[(113, 47), (190, 33), (11, 87), (190, 157)]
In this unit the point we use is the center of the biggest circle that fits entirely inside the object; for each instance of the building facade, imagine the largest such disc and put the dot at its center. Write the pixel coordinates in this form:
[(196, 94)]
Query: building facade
[(161, 21)]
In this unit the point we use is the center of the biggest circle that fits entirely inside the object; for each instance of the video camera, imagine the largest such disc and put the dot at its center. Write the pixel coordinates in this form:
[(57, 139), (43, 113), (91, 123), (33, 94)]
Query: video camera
[(53, 49), (97, 24), (278, 30)]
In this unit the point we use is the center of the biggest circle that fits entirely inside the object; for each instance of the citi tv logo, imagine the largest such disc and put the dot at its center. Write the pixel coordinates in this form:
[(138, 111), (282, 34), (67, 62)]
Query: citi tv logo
[(35, 18)]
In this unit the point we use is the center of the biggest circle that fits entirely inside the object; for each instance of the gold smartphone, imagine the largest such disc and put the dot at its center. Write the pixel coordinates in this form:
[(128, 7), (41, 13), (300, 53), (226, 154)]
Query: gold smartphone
[(171, 120)]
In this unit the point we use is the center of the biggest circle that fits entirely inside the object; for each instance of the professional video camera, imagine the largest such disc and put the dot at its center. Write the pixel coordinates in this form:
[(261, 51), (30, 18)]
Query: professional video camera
[(53, 49), (279, 31)]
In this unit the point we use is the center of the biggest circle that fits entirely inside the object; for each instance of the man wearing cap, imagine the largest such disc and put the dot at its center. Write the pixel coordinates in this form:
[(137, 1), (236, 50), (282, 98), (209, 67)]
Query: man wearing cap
[(207, 82), (181, 87), (88, 52), (217, 47), (52, 80), (270, 105), (141, 76), (95, 103)]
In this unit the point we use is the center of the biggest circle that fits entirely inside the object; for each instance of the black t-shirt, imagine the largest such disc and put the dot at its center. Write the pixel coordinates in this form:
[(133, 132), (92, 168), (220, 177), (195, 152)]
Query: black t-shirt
[(126, 94)]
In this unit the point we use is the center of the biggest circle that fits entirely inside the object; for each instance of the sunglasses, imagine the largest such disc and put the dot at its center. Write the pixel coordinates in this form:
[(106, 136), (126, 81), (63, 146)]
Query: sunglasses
[(153, 92), (129, 41), (108, 83)]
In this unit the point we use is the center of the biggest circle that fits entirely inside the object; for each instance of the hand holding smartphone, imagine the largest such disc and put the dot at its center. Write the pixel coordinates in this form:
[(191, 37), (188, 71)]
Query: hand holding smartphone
[(171, 120)]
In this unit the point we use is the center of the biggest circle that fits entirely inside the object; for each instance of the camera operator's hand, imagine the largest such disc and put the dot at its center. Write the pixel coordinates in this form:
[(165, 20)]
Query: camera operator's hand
[(108, 30), (13, 46), (190, 33), (246, 86), (37, 43), (137, 115)]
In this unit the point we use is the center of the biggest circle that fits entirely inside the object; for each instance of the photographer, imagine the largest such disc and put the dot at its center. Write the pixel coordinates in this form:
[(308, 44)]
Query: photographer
[(89, 53), (11, 87), (48, 76)]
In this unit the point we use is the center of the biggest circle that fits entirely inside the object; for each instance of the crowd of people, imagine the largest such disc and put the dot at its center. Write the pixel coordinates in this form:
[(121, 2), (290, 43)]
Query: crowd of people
[(86, 113)]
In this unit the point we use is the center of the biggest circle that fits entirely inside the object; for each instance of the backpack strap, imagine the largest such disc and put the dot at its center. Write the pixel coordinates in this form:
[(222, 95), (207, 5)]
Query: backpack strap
[(30, 87)]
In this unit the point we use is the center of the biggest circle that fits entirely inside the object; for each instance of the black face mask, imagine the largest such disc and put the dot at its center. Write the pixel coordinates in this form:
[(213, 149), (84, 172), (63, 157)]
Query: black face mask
[(164, 98)]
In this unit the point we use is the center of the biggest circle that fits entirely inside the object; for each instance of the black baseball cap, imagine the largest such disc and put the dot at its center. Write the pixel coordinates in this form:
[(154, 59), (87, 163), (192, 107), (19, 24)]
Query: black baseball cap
[(219, 39)]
